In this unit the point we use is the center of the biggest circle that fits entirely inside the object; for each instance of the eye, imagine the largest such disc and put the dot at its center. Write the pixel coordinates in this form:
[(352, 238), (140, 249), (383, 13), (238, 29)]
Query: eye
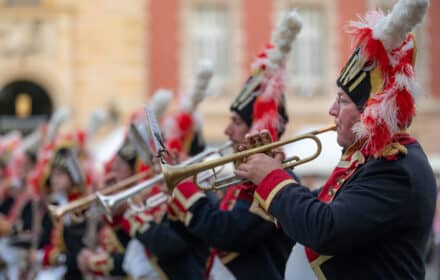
[(338, 99), (343, 100)]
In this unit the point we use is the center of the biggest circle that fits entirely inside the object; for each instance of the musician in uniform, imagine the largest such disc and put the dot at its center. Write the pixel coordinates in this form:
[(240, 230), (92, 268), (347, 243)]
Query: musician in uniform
[(372, 218), (120, 255), (175, 255), (61, 181), (178, 254), (113, 240), (244, 245), (17, 163)]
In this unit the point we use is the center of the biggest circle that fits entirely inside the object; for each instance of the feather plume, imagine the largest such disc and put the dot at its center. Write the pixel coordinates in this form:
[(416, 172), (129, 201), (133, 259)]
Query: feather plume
[(160, 100), (203, 77), (58, 118), (283, 38), (406, 14)]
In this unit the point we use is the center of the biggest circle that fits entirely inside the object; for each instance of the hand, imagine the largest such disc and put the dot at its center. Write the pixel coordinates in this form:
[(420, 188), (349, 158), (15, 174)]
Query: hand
[(257, 167), (33, 257), (82, 260), (5, 226), (109, 179), (171, 157)]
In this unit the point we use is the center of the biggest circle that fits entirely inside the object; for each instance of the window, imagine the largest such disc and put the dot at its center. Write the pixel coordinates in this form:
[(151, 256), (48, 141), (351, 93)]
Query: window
[(306, 65), (209, 33)]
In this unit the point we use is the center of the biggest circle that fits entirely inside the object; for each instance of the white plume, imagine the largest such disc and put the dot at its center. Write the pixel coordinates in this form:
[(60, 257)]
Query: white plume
[(97, 120), (160, 100), (406, 14), (32, 141), (58, 118), (283, 37), (204, 75)]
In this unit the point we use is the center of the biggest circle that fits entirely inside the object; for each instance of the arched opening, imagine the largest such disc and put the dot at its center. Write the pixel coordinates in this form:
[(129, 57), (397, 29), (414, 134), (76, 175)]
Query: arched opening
[(23, 106)]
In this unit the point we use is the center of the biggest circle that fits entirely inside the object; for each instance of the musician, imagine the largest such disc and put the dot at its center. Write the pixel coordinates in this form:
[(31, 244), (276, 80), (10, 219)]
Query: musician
[(21, 212), (372, 218), (17, 165), (176, 254), (244, 245), (113, 240), (13, 165), (61, 181)]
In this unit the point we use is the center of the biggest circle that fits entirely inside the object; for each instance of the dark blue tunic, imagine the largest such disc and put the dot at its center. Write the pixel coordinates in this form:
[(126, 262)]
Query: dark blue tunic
[(377, 225)]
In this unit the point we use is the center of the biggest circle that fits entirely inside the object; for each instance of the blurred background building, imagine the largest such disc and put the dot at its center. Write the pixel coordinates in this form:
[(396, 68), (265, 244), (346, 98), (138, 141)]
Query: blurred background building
[(110, 53)]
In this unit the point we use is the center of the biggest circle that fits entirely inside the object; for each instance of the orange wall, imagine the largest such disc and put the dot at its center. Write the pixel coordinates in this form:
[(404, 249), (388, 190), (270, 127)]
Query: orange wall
[(257, 27), (164, 44), (346, 10), (434, 46), (257, 23)]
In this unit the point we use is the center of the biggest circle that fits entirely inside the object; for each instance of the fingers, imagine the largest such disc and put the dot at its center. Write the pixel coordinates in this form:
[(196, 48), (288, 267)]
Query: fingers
[(242, 170), (258, 139), (109, 178), (176, 156), (279, 155), (171, 156), (266, 137), (241, 173)]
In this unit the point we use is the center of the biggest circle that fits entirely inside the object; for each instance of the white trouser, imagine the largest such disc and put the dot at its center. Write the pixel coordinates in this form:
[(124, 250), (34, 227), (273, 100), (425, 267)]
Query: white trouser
[(51, 273), (136, 263), (297, 266), (11, 256)]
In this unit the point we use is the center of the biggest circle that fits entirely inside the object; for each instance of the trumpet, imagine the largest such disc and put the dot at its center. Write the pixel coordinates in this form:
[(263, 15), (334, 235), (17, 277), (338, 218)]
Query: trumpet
[(83, 203), (150, 203), (174, 174), (110, 202)]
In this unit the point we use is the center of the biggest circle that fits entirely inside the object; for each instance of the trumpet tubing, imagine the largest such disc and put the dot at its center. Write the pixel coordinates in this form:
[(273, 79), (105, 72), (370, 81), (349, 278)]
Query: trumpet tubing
[(109, 202), (174, 174), (85, 202)]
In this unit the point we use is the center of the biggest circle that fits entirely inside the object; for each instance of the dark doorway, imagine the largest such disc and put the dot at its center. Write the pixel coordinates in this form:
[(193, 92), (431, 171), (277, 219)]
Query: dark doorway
[(23, 106)]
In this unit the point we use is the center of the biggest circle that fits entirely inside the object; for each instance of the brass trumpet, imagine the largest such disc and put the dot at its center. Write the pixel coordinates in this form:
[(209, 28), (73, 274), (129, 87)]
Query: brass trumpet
[(174, 174), (110, 202), (83, 203)]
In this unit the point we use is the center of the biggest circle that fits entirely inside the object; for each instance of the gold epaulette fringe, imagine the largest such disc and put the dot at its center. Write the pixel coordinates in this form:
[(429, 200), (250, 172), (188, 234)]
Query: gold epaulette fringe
[(393, 149)]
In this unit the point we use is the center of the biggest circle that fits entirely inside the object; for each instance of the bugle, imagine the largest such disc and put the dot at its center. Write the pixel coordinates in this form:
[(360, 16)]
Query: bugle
[(110, 202), (83, 203), (174, 174)]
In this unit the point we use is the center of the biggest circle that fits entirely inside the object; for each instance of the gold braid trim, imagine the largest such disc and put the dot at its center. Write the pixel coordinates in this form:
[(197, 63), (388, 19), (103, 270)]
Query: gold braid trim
[(53, 255), (227, 257), (393, 149), (316, 266), (257, 210), (154, 263)]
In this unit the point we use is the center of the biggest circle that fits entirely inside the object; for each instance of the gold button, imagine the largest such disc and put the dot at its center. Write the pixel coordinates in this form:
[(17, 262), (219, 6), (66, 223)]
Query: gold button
[(331, 191)]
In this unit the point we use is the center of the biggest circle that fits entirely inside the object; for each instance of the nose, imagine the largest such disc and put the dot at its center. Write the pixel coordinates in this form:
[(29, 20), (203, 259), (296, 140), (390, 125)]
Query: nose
[(227, 130), (333, 111)]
